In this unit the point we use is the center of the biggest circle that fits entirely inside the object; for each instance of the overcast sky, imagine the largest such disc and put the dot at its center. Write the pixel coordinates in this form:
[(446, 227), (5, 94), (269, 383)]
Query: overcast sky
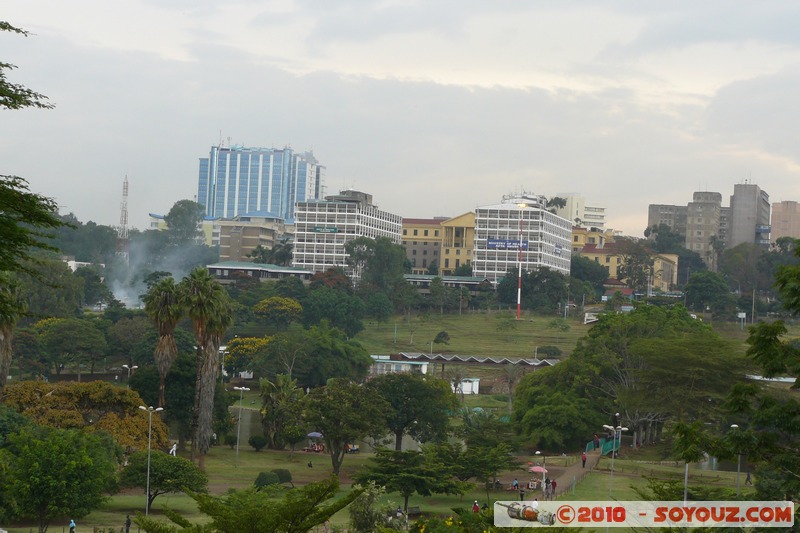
[(432, 106)]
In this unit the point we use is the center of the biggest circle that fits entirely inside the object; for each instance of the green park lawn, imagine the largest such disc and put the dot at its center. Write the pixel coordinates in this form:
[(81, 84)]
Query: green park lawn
[(224, 474)]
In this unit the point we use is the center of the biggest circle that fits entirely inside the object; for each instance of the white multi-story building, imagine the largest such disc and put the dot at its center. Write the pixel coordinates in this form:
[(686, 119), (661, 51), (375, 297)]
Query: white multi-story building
[(323, 227), (580, 214), (520, 221)]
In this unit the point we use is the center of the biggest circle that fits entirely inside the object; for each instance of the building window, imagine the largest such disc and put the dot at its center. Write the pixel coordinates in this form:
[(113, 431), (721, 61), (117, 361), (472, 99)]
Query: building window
[(415, 232), (608, 259), (574, 238), (424, 263), (436, 233), (425, 233), (405, 232), (447, 263), (458, 252), (424, 252), (413, 252), (458, 263)]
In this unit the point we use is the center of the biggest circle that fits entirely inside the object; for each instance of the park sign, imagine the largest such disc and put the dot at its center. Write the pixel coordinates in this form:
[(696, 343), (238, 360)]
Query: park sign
[(505, 244), (323, 229)]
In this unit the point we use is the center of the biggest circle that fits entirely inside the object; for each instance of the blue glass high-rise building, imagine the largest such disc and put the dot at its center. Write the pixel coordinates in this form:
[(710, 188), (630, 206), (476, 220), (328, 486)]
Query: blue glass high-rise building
[(236, 180)]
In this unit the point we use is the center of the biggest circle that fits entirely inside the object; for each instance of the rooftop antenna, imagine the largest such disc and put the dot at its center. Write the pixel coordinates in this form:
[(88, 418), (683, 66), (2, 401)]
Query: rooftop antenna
[(122, 230)]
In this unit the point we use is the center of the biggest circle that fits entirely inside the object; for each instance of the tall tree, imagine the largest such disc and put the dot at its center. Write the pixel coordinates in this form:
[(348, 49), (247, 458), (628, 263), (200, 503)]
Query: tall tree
[(11, 308), (162, 473), (163, 305), (410, 472), (209, 309), (419, 406), (344, 412), (280, 410), (54, 473), (74, 340), (182, 221), (380, 262)]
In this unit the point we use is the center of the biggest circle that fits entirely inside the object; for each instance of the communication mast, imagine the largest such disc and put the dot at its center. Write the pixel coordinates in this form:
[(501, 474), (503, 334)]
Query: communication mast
[(122, 230)]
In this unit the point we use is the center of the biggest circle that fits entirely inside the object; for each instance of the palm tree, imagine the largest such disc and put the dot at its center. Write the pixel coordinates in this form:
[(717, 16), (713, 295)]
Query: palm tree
[(209, 309), (162, 304), (11, 307)]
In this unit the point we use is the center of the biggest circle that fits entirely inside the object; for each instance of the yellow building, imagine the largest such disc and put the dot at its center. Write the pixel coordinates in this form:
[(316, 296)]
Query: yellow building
[(458, 243), (611, 255), (422, 239)]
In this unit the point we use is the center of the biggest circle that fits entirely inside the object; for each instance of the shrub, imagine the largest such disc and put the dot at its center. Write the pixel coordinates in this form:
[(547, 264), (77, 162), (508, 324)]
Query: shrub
[(257, 442), (230, 440), (265, 479), (553, 351), (283, 475)]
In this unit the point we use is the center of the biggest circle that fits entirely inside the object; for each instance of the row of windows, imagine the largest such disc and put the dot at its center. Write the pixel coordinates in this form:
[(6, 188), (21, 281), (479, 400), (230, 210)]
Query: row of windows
[(424, 252), (424, 232)]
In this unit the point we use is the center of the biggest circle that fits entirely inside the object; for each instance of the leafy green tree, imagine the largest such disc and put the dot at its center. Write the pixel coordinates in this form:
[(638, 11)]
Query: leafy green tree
[(209, 310), (278, 311), (15, 96), (281, 409), (260, 254), (637, 265), (168, 475), (291, 287), (88, 243), (409, 473), (281, 252), (379, 306), (54, 473), (271, 509), (419, 406), (689, 443), (708, 290), (438, 293), (379, 260), (11, 308), (442, 338), (182, 221), (94, 290), (366, 514), (59, 296), (163, 305), (339, 308), (126, 336), (464, 269), (433, 268), (344, 412), (74, 340), (585, 269), (178, 393)]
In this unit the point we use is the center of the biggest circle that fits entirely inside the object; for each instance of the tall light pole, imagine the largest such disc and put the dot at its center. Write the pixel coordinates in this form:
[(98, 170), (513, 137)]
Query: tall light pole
[(617, 431), (150, 410), (129, 369), (738, 462), (239, 428), (521, 206), (544, 468)]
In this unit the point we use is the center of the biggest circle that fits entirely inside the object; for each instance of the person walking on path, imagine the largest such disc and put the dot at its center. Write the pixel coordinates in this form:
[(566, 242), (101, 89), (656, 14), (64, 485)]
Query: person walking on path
[(475, 507), (583, 460), (128, 524), (747, 480), (522, 494), (72, 526), (553, 485)]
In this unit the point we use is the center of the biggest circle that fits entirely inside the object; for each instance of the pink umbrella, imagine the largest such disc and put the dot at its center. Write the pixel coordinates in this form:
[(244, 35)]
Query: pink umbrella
[(538, 469)]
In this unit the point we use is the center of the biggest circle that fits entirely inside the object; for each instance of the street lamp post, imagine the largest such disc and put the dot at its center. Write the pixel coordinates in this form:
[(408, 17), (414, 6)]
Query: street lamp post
[(544, 469), (150, 410), (239, 425), (738, 462), (617, 431), (129, 369), (519, 261)]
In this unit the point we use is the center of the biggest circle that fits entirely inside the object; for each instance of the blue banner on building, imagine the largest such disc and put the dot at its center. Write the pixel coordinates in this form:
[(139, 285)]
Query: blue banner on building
[(505, 244)]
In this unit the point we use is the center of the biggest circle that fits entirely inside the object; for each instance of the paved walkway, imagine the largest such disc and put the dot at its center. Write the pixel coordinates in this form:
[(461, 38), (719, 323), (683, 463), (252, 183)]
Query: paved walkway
[(573, 472)]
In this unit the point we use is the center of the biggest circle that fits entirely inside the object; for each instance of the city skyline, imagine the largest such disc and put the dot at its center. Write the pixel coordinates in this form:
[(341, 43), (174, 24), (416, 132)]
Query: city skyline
[(434, 109)]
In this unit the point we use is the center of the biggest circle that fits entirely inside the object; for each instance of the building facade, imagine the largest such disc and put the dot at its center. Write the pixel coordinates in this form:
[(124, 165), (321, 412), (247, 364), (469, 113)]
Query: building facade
[(611, 255), (785, 220), (749, 220), (458, 243), (703, 225), (236, 180), (240, 236), (323, 227), (579, 213), (422, 239), (520, 230)]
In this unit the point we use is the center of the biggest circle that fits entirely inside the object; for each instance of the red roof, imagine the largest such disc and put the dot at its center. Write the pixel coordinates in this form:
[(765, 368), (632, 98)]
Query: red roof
[(424, 221)]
